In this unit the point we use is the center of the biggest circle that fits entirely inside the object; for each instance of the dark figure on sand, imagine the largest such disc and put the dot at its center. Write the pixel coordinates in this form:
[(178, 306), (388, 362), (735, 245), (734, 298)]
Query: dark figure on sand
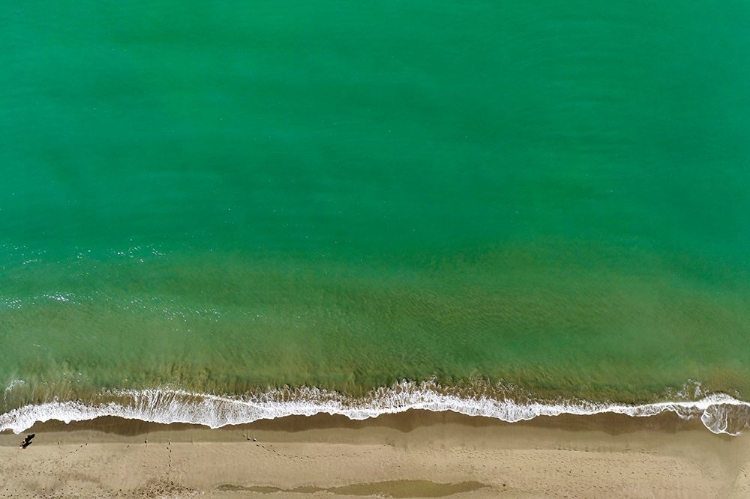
[(27, 441)]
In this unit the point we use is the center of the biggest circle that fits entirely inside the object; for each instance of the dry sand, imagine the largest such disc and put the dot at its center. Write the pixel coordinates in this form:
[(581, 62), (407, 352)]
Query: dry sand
[(416, 454)]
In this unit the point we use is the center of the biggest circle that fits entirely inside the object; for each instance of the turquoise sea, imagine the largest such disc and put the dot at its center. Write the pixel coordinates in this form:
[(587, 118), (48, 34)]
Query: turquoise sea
[(214, 212)]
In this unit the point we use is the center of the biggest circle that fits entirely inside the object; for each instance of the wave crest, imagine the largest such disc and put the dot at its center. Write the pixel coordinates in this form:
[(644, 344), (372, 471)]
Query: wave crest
[(720, 413)]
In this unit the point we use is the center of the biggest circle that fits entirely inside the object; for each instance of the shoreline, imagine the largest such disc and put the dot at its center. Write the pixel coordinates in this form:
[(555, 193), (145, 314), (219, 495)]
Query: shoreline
[(409, 420), (719, 413), (411, 454)]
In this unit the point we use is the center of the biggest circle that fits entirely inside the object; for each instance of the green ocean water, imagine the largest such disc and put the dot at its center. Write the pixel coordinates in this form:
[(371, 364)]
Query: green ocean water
[(231, 196)]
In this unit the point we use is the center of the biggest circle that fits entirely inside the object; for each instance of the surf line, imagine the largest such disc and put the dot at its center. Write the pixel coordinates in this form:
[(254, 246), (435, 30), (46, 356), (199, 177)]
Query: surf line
[(719, 413)]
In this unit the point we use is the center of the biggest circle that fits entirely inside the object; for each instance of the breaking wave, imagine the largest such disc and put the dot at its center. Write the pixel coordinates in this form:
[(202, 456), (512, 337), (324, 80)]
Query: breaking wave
[(720, 413)]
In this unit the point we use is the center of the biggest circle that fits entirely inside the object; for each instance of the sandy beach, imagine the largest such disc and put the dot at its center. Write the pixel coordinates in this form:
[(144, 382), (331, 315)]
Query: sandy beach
[(416, 454)]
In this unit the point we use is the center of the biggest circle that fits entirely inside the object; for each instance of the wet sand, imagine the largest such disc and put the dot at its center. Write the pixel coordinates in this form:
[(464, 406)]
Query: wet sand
[(416, 454)]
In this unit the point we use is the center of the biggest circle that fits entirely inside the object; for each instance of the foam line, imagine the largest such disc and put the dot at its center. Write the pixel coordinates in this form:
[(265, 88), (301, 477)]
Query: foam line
[(720, 413)]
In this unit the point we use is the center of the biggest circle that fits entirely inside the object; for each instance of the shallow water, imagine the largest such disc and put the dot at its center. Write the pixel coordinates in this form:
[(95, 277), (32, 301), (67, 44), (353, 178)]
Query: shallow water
[(227, 199)]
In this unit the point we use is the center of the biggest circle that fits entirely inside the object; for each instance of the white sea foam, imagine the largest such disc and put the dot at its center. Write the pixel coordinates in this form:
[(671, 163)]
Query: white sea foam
[(14, 383), (719, 413)]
